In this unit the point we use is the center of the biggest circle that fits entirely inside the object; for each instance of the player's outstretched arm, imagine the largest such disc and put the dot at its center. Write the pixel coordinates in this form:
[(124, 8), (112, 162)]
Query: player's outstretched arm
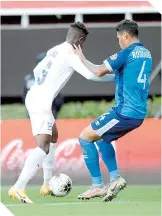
[(98, 70), (75, 62)]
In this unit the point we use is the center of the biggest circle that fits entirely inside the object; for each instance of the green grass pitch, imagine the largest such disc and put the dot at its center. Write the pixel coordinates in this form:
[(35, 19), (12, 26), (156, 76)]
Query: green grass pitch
[(133, 201)]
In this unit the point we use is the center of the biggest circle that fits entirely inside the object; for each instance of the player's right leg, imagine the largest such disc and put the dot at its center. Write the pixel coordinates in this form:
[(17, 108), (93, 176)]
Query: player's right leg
[(48, 163), (42, 123), (31, 166)]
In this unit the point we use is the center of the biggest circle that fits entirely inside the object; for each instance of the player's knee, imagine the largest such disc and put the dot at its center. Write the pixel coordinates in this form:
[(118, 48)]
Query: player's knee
[(89, 134), (45, 145), (85, 134), (43, 142)]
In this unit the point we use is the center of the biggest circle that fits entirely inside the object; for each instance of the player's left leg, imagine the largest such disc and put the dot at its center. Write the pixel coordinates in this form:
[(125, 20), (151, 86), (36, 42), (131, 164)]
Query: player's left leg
[(91, 158), (48, 163)]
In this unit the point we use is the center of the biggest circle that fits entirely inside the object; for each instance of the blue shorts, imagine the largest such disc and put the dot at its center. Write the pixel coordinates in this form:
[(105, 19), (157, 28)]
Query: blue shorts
[(110, 126)]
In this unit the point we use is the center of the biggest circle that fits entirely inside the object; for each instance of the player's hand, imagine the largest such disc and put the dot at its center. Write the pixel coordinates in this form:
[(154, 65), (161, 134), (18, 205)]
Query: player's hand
[(78, 52)]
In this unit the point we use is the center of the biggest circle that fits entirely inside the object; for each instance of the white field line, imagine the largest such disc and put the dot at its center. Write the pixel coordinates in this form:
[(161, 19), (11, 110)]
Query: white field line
[(66, 203)]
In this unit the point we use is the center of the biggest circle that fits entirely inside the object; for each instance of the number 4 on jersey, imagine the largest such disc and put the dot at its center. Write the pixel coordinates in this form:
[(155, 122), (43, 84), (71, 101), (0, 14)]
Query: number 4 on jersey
[(140, 79)]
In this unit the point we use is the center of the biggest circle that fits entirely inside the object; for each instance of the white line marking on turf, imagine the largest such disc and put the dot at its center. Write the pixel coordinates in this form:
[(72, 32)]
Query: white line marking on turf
[(66, 203)]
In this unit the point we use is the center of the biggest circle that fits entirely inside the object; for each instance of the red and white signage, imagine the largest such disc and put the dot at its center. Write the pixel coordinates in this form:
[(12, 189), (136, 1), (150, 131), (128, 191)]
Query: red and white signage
[(139, 149)]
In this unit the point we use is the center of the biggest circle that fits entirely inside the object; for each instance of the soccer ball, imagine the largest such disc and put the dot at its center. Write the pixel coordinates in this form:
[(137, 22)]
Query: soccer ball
[(60, 185)]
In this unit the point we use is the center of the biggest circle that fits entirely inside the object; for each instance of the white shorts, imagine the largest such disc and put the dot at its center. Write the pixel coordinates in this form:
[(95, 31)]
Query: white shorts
[(42, 121)]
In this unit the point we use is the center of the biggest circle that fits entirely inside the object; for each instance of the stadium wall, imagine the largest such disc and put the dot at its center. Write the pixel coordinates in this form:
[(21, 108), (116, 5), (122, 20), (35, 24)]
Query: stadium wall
[(20, 48), (138, 153)]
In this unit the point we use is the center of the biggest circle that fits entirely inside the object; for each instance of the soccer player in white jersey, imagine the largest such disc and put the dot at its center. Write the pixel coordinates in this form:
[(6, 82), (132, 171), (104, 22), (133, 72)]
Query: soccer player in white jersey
[(51, 75)]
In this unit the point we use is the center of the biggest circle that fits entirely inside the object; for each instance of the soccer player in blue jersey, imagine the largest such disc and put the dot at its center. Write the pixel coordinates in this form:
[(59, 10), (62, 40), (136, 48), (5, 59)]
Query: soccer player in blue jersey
[(132, 66)]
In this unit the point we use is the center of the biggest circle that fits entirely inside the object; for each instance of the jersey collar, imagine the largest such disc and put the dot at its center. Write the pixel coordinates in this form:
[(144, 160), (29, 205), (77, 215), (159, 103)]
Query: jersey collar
[(135, 44), (68, 44)]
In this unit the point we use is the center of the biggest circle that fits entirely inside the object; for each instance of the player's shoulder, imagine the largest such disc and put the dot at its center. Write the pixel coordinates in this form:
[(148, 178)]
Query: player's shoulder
[(122, 54), (63, 49), (125, 51), (139, 47)]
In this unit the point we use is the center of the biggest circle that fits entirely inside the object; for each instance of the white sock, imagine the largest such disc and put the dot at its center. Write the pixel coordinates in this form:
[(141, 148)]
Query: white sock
[(48, 164), (32, 164)]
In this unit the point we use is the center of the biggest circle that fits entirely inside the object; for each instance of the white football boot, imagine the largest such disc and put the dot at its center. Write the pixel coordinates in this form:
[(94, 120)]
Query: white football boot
[(114, 188), (93, 191)]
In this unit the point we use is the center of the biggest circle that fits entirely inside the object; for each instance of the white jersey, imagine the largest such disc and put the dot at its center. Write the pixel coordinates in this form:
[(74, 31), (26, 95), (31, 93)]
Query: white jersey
[(53, 72)]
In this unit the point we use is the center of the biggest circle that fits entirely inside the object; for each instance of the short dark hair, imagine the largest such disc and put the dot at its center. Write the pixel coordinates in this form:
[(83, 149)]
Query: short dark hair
[(81, 27), (130, 26)]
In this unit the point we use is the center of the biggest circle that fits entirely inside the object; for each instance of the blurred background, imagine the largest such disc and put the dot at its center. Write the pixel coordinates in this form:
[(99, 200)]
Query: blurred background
[(28, 30)]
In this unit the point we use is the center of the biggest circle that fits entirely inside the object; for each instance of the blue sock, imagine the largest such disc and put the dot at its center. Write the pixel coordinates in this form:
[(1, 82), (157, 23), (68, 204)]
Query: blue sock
[(91, 159), (108, 155)]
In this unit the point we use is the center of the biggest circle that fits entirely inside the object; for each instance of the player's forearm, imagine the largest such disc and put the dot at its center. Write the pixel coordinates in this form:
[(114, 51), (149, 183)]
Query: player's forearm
[(105, 78), (92, 67), (98, 70)]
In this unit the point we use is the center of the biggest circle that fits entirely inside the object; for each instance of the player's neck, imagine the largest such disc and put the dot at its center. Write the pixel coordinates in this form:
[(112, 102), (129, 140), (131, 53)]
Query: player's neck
[(134, 40), (70, 42)]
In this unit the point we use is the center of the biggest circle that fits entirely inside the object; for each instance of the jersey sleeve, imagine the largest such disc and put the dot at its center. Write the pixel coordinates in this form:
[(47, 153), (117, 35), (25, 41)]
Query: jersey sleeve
[(116, 61), (75, 62)]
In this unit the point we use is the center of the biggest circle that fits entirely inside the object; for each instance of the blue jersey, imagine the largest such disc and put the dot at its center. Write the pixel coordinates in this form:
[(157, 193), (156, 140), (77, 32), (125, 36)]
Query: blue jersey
[(132, 67)]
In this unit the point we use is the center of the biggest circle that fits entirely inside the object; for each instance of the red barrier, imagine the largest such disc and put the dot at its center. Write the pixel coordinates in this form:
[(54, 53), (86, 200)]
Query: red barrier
[(71, 4), (139, 149)]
